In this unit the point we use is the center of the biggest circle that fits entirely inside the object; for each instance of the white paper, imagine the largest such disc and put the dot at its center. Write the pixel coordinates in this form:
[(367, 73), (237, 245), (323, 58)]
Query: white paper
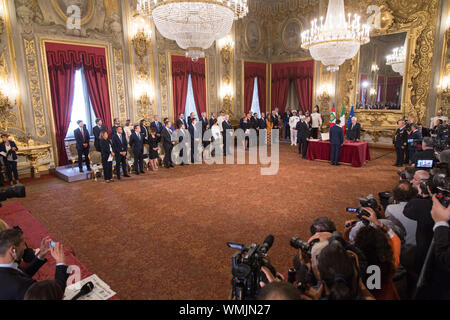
[(110, 159), (101, 290)]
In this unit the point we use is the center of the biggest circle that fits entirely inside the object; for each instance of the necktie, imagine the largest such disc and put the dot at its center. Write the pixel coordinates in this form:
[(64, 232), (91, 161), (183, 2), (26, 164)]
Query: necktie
[(82, 133), (139, 137)]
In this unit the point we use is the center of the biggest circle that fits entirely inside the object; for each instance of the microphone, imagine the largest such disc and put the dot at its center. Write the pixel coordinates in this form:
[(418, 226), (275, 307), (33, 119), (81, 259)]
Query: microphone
[(87, 288), (268, 242)]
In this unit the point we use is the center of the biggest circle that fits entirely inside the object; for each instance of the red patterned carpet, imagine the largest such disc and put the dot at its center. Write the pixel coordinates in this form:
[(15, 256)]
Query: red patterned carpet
[(163, 235)]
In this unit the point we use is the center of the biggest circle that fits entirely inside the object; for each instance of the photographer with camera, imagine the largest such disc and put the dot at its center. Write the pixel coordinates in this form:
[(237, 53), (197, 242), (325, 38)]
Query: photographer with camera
[(381, 247), (427, 152), (15, 281)]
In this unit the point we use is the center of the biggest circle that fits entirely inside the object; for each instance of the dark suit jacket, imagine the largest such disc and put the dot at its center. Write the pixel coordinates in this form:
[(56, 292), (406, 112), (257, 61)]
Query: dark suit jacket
[(303, 130), (262, 123), (442, 247), (426, 132), (113, 130), (118, 146), (105, 148), (166, 138), (204, 122), (145, 133), (192, 132), (336, 135), (354, 132), (226, 126), (211, 122), (157, 126), (96, 131), (80, 140), (15, 283), (401, 138), (3, 149), (137, 145)]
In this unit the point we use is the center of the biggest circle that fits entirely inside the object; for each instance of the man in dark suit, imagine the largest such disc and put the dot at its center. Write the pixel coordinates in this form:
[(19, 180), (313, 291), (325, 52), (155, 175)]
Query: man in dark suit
[(120, 148), (181, 121), (166, 137), (115, 125), (205, 122), (183, 138), (227, 136), (137, 145), (144, 130), (82, 138), (276, 121), (400, 142), (414, 139), (336, 141), (211, 119), (354, 131), (96, 130), (15, 281), (424, 131), (303, 134), (195, 131), (157, 126), (262, 122)]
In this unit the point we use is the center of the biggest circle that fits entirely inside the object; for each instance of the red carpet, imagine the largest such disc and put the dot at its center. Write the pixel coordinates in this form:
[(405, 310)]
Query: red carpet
[(163, 235)]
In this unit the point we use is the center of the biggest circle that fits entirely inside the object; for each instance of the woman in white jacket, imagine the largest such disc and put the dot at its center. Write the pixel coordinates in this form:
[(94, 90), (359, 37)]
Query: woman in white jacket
[(316, 123), (293, 124)]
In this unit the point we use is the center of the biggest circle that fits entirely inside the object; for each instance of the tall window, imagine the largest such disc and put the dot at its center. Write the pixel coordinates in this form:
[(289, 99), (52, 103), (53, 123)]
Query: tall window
[(255, 100), (81, 106), (190, 101)]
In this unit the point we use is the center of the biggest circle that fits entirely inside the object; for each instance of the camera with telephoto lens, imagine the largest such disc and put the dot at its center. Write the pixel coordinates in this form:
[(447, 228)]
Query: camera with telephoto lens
[(246, 268), (306, 247), (439, 184), (367, 202), (16, 191)]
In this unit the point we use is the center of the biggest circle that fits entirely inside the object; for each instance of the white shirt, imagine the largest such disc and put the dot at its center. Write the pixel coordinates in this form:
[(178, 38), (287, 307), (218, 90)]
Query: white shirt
[(396, 211), (316, 119)]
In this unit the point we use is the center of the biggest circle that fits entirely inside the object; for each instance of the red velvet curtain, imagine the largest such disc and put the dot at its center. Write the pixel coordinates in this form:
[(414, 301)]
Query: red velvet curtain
[(96, 75), (393, 86), (302, 73), (62, 64), (181, 68), (252, 70), (63, 60)]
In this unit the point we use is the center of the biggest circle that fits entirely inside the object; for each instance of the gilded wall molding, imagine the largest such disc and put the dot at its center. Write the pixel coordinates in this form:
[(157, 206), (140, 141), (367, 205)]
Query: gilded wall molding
[(35, 87), (163, 84), (120, 84), (417, 18)]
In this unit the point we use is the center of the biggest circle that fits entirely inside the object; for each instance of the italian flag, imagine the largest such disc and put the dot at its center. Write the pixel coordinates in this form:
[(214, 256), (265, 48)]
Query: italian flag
[(343, 118), (332, 117)]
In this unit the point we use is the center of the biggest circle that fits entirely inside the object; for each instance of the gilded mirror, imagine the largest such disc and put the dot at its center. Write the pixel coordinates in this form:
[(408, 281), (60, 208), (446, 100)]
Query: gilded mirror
[(381, 73)]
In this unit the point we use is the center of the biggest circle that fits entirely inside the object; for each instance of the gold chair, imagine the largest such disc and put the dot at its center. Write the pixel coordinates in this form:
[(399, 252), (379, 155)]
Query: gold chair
[(96, 163), (73, 154), (147, 160), (130, 160)]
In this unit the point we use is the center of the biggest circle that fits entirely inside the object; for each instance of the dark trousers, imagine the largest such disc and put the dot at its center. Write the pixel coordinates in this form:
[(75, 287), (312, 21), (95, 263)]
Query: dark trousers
[(400, 155), (138, 162), (85, 152), (107, 168), (302, 146), (11, 169), (315, 133), (287, 130), (335, 149), (121, 160), (411, 152), (168, 155)]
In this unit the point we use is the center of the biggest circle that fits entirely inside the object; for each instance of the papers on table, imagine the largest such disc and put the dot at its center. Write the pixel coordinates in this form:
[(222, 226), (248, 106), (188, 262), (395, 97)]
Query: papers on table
[(314, 140), (325, 136), (101, 290)]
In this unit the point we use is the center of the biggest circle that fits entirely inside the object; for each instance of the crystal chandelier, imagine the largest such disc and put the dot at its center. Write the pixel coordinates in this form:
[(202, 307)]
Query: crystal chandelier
[(336, 39), (193, 24), (397, 60)]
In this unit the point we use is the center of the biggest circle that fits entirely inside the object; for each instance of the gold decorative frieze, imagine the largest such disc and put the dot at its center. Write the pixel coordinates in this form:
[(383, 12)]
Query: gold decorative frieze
[(120, 83), (31, 59)]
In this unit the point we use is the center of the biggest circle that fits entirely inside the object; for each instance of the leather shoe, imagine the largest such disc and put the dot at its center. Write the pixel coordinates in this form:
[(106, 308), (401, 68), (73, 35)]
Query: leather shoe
[(89, 169), (81, 171), (127, 176), (142, 171)]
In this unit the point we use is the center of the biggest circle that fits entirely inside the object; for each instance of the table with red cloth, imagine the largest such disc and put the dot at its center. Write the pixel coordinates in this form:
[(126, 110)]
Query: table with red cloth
[(354, 153), (16, 215)]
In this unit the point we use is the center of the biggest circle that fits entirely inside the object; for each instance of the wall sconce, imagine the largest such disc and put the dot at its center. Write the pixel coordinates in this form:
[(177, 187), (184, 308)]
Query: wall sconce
[(375, 68), (8, 93), (226, 46), (226, 94), (372, 91), (143, 95), (141, 35), (325, 90)]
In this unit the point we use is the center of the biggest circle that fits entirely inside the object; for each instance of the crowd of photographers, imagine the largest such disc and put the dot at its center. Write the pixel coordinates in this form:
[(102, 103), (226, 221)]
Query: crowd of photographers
[(397, 248)]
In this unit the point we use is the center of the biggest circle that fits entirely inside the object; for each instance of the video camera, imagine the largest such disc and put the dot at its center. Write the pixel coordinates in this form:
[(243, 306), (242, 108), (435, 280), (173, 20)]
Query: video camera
[(16, 191), (246, 268), (306, 247), (439, 184), (367, 202)]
